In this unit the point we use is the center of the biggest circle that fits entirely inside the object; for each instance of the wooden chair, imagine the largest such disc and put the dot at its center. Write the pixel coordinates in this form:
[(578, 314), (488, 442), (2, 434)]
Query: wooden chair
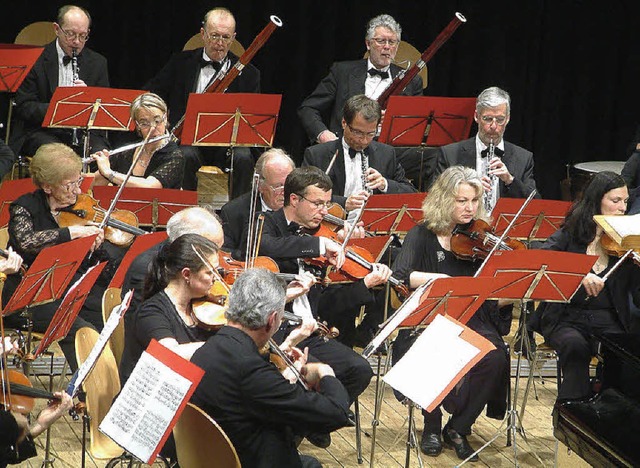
[(37, 34), (406, 56), (195, 426), (101, 386), (110, 299)]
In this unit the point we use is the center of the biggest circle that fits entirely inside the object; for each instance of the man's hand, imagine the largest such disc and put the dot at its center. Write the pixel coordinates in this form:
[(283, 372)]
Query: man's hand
[(375, 180), (380, 274), (300, 285), (356, 200), (327, 135), (333, 253), (358, 232), (313, 372), (498, 168), (11, 264)]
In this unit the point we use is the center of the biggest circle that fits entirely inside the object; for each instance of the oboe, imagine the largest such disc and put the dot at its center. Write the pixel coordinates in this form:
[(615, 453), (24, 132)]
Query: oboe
[(488, 198), (75, 77)]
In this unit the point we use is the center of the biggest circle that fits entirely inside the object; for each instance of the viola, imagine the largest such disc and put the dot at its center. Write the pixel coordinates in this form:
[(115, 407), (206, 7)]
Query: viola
[(122, 225), (208, 313), (477, 239), (611, 247), (358, 261)]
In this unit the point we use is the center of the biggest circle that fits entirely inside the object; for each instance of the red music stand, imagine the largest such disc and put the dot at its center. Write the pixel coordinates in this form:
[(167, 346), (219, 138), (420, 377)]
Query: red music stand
[(153, 207), (69, 308), (230, 120), (140, 244), (538, 221), (416, 120), (392, 213), (49, 275), (11, 190), (16, 61)]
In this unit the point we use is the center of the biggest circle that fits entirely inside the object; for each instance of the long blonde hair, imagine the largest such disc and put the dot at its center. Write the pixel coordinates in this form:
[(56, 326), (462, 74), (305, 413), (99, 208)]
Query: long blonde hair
[(439, 203)]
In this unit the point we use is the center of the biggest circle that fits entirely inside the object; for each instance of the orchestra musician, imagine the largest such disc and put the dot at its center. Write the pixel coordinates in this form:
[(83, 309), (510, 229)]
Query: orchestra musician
[(273, 167), (160, 164), (190, 72), (346, 79), (359, 157), (455, 199), (258, 409), (7, 159), (510, 172), (57, 66), (33, 225), (307, 196), (598, 307)]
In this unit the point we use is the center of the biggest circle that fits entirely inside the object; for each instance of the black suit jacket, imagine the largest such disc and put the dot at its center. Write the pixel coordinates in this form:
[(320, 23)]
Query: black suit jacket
[(178, 78), (235, 217), (35, 92), (257, 408), (345, 79), (518, 160), (381, 157)]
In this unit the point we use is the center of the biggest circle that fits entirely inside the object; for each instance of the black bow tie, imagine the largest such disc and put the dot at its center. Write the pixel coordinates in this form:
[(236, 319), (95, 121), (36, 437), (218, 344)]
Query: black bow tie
[(496, 151), (382, 74), (353, 152), (205, 63), (66, 59)]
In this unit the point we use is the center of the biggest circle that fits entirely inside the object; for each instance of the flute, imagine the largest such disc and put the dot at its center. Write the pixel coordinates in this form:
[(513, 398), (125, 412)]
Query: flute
[(131, 146)]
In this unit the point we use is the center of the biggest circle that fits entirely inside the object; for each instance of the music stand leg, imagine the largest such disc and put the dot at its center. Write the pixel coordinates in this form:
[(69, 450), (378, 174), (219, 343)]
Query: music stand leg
[(412, 437), (47, 452), (379, 397), (230, 152), (86, 419), (9, 115), (356, 406)]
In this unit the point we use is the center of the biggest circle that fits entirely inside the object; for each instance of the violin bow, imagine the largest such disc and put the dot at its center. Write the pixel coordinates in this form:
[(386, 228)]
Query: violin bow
[(352, 228), (333, 160), (251, 231), (506, 231), (214, 271)]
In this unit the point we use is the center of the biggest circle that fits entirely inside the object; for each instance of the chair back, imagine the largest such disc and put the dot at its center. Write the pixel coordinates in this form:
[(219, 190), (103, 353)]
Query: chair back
[(110, 299), (406, 56), (101, 387), (195, 426), (196, 41), (37, 34)]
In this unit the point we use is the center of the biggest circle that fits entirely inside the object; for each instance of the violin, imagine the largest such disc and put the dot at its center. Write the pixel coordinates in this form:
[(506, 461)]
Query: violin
[(282, 362), (208, 313), (477, 239), (122, 225), (21, 395), (358, 261), (230, 268)]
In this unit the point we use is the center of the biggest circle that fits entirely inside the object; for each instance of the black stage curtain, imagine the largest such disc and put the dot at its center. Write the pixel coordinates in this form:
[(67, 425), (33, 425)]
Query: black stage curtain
[(571, 66)]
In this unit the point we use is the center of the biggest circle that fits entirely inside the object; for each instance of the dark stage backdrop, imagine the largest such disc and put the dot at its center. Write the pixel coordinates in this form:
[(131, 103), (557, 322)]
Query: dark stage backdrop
[(571, 67)]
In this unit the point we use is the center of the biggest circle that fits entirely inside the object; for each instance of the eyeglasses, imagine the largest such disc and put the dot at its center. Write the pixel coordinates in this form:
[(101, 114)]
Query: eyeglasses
[(275, 188), (144, 124), (488, 120), (82, 37), (360, 133), (380, 41), (71, 185), (318, 204), (213, 37)]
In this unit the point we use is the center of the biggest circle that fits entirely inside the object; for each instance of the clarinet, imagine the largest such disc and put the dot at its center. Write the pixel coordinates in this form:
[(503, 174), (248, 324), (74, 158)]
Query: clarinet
[(76, 76), (488, 198), (365, 169)]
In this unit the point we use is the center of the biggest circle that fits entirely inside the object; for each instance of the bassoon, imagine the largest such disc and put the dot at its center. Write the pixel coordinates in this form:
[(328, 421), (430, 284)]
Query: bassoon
[(402, 80), (222, 81)]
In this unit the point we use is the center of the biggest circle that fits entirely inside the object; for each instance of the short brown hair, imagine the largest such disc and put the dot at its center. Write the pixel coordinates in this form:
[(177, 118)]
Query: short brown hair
[(53, 163), (302, 177)]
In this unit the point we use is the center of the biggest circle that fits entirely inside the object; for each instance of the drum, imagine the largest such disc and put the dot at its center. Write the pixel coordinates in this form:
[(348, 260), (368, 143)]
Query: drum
[(582, 173)]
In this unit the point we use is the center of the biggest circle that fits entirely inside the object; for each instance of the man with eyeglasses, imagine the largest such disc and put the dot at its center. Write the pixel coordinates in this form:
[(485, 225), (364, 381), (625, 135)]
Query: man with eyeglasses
[(346, 79), (510, 172), (54, 68), (359, 158), (191, 71), (287, 237), (273, 167)]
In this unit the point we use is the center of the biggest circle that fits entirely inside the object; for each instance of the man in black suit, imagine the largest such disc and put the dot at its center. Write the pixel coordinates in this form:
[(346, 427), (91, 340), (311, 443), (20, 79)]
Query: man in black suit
[(255, 405), (512, 165), (55, 67), (357, 152), (273, 167), (190, 72), (345, 79)]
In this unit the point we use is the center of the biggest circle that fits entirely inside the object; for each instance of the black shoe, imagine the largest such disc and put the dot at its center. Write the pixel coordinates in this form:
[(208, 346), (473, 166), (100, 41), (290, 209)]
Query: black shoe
[(459, 442), (320, 439), (431, 444)]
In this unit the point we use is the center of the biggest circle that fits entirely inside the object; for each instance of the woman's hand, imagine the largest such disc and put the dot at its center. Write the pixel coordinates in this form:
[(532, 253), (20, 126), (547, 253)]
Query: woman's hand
[(593, 284), (11, 264)]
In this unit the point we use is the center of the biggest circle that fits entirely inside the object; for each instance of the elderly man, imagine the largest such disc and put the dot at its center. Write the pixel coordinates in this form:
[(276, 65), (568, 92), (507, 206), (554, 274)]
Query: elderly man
[(191, 72), (362, 166), (58, 67), (345, 79), (510, 172), (273, 167), (257, 408)]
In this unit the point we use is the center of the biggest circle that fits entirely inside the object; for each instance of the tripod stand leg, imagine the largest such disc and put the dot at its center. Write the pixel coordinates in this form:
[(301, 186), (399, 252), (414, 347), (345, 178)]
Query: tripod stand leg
[(356, 406), (379, 397)]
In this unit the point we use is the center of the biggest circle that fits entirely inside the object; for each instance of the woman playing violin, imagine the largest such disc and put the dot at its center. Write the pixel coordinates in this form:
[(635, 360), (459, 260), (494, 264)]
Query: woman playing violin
[(455, 199), (33, 225), (599, 306), (160, 165)]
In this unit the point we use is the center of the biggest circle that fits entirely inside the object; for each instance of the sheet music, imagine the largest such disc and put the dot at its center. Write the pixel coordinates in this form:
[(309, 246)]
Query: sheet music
[(625, 225), (140, 416), (437, 356)]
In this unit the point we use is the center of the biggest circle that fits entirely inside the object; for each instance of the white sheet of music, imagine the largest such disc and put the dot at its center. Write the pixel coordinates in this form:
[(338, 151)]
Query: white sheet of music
[(433, 361), (625, 225), (145, 407)]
